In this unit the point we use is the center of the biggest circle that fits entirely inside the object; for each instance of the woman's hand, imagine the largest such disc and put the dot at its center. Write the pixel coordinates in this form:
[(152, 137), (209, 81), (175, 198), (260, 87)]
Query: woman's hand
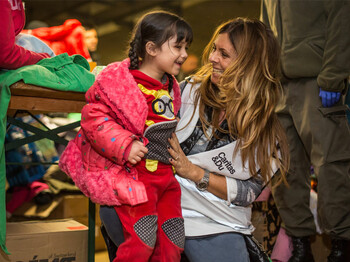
[(137, 152), (185, 169), (179, 160)]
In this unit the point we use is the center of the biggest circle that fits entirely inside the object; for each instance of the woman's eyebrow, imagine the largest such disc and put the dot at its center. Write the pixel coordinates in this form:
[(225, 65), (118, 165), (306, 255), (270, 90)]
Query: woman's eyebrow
[(224, 50)]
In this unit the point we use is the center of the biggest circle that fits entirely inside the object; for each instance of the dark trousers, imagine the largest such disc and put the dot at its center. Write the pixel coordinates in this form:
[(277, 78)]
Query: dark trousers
[(320, 137)]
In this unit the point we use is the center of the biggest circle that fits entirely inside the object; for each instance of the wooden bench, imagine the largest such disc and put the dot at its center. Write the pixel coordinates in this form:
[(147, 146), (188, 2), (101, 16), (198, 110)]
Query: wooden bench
[(43, 100)]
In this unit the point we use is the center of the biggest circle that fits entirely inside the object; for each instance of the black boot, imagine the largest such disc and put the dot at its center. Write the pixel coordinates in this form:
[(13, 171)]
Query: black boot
[(339, 249), (301, 250)]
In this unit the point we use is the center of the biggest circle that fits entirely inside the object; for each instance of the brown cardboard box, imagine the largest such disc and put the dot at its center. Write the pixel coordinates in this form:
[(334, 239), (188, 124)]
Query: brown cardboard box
[(99, 241), (73, 206), (51, 241), (76, 207)]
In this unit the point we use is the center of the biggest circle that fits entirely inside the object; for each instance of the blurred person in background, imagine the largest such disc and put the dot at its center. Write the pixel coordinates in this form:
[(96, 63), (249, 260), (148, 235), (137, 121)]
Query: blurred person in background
[(91, 42), (315, 62), (12, 20)]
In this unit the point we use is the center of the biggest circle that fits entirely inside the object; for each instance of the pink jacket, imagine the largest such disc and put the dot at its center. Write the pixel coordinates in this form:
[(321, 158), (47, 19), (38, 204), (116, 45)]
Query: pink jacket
[(12, 21), (114, 116)]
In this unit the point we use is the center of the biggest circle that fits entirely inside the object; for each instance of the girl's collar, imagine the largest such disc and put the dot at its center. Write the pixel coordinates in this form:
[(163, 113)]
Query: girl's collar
[(145, 79)]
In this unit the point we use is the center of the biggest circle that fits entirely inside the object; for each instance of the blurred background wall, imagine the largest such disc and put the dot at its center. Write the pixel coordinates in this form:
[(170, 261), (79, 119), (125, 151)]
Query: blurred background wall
[(114, 19)]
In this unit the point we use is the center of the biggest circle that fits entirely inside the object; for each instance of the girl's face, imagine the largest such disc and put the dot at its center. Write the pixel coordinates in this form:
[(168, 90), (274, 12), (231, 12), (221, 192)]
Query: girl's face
[(170, 56), (221, 56)]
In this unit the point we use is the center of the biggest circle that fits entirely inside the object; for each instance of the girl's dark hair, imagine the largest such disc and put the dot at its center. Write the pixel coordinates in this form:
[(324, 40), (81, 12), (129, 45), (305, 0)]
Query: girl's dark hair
[(157, 27)]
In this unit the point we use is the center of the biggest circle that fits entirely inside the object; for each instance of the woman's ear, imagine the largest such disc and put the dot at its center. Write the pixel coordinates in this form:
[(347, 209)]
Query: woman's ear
[(151, 48)]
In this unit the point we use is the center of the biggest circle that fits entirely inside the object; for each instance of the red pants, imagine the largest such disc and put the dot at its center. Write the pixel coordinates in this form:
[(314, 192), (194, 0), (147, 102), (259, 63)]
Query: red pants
[(153, 231)]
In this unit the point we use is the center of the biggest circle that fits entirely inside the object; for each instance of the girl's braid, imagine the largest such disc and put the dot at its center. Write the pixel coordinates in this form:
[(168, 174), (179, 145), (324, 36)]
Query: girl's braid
[(134, 58), (170, 77)]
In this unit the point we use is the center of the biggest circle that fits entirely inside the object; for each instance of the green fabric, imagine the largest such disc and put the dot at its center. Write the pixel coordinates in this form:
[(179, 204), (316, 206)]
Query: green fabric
[(74, 116), (62, 72), (4, 101)]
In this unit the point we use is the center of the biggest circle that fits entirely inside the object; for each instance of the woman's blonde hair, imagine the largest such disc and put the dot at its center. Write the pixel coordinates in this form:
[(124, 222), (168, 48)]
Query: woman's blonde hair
[(249, 91)]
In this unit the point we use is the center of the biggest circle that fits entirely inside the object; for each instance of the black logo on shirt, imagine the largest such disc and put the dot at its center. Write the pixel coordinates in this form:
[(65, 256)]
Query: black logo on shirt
[(221, 162)]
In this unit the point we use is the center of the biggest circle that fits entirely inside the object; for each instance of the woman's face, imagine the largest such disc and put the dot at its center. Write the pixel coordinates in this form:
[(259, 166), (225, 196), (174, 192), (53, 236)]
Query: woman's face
[(221, 56)]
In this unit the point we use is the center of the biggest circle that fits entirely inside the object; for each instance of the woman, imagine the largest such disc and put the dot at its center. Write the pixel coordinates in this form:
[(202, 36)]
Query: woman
[(227, 119)]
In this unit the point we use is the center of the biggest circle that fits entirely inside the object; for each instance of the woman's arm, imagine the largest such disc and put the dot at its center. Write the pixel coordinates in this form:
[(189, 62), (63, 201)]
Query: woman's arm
[(243, 192), (235, 191), (184, 168)]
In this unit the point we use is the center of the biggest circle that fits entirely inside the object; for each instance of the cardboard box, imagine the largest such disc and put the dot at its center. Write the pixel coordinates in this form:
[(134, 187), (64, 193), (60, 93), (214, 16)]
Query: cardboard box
[(77, 208), (100, 244), (72, 206), (62, 240)]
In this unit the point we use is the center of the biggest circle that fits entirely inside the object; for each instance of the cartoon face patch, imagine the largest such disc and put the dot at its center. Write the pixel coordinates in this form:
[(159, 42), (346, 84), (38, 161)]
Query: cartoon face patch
[(162, 105)]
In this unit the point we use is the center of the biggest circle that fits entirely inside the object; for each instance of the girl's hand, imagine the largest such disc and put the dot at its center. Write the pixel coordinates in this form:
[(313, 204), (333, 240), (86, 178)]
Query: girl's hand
[(137, 152), (179, 160)]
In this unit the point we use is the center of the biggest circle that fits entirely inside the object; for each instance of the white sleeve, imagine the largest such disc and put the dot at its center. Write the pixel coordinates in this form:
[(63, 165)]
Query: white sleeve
[(231, 185)]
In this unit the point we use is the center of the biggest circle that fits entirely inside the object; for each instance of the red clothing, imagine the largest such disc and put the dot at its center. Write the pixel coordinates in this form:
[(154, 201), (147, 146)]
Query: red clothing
[(154, 87), (156, 91), (23, 194), (154, 229), (67, 38), (116, 108), (12, 21)]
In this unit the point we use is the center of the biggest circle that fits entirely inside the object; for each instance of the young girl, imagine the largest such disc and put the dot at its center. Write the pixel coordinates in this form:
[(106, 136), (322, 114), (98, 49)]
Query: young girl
[(120, 156)]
